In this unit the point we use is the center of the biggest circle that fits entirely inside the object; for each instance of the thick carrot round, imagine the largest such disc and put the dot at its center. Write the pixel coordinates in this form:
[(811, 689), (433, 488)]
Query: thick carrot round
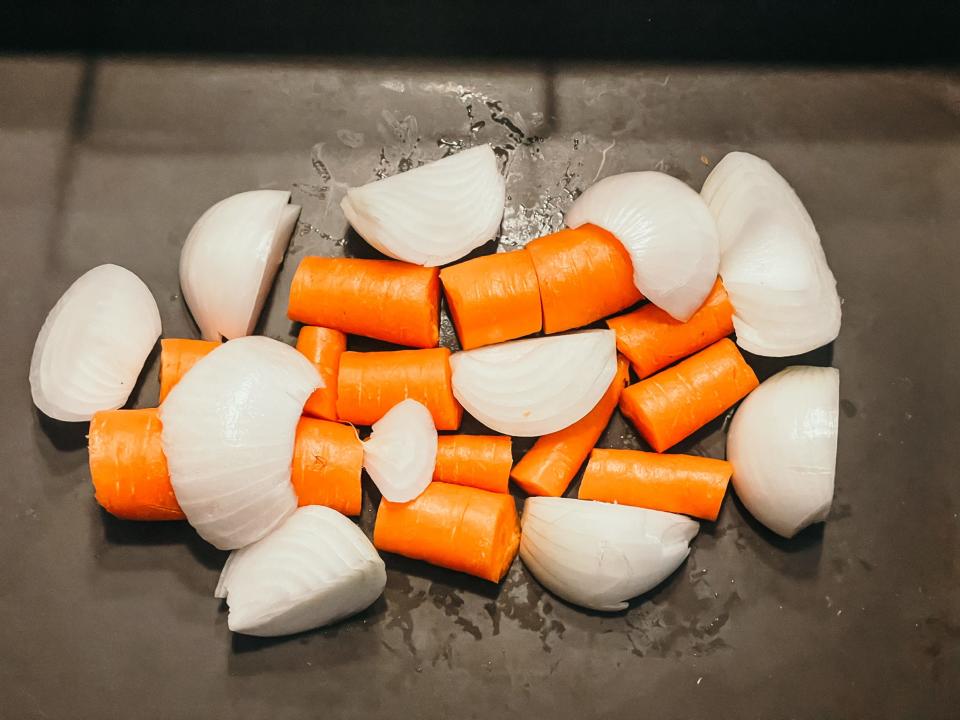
[(454, 526), (652, 340), (686, 484), (128, 467), (584, 274), (548, 467), (323, 347), (371, 383), (481, 461), (382, 299), (669, 406), (493, 298), (177, 355), (327, 462)]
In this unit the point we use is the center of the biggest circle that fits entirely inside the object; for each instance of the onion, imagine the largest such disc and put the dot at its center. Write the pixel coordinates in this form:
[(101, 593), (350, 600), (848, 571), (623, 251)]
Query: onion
[(782, 290), (93, 344), (527, 388), (783, 447), (599, 555), (401, 452), (434, 214), (668, 231), (228, 433), (313, 570), (231, 257)]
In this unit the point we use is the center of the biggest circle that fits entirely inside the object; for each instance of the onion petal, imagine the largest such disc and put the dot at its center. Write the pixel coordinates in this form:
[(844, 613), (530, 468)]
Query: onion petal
[(401, 452)]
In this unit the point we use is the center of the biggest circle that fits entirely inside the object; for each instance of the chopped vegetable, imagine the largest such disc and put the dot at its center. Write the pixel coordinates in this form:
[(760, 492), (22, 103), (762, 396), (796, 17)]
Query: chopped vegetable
[(676, 402), (548, 467), (584, 275), (480, 461), (401, 452), (382, 299), (177, 355), (687, 484), (454, 526), (652, 340), (493, 298), (327, 462), (323, 347)]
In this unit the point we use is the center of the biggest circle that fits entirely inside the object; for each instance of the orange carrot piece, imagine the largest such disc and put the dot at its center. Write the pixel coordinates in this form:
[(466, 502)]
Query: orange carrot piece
[(323, 347), (177, 355), (480, 461), (128, 467), (584, 274), (652, 340), (370, 383), (548, 467), (327, 462), (669, 406), (686, 484), (454, 526), (493, 298), (382, 299)]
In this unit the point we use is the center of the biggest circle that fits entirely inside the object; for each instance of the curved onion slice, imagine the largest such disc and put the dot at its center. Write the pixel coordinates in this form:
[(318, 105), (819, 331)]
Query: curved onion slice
[(313, 570), (93, 343), (668, 231), (599, 555), (783, 293), (783, 447), (231, 257), (434, 214), (527, 388), (228, 433), (401, 452)]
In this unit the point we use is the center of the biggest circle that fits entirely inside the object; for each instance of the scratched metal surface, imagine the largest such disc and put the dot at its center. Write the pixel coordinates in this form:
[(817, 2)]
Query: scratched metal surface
[(113, 160)]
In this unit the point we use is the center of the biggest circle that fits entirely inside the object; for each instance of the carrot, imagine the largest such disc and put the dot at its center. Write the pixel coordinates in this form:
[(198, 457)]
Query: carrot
[(493, 298), (327, 462), (323, 347), (481, 461), (651, 339), (453, 526), (177, 355), (382, 299), (669, 406), (584, 274), (548, 467), (128, 467), (686, 484), (371, 383)]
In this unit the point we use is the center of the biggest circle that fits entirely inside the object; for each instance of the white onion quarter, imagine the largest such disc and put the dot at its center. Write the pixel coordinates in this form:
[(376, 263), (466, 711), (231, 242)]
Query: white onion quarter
[(401, 452), (228, 432), (93, 344)]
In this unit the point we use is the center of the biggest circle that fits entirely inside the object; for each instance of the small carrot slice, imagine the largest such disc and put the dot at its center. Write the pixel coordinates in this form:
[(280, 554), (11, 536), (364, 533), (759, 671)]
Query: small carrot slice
[(177, 355), (651, 339), (382, 299), (323, 347), (670, 405), (454, 526), (327, 462), (371, 383), (493, 298), (686, 484), (128, 467), (548, 467), (480, 461), (584, 274)]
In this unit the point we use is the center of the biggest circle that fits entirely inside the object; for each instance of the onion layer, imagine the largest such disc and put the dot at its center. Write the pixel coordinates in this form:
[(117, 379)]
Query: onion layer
[(228, 434), (599, 555), (93, 344), (313, 570), (667, 229), (401, 452), (783, 447), (231, 257), (527, 388), (434, 214)]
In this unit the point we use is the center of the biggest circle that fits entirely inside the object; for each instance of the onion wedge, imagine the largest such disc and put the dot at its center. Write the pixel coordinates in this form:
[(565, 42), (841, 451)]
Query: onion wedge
[(401, 452)]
